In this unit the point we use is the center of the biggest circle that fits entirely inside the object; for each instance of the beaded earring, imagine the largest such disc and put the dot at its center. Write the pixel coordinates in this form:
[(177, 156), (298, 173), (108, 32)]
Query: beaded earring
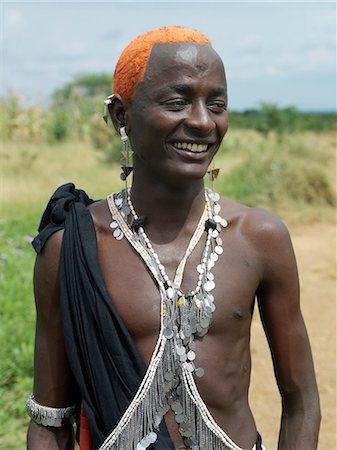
[(126, 160), (213, 174), (107, 102)]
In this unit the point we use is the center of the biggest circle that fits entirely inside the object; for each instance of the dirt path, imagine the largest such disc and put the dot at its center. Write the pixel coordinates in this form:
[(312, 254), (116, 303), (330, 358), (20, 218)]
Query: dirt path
[(315, 248)]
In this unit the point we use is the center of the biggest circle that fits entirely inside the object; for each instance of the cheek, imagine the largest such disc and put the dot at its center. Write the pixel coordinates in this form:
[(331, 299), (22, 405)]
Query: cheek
[(147, 140), (225, 124), (222, 128), (150, 128)]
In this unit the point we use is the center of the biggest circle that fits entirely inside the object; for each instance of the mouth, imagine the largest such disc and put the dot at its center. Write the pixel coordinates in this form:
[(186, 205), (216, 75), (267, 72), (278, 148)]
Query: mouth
[(189, 147)]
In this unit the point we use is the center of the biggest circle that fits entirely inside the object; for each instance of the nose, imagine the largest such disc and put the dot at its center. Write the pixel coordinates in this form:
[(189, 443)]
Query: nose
[(199, 118)]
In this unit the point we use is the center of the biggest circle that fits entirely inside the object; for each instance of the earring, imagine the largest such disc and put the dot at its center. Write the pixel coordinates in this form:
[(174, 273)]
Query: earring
[(126, 161), (107, 102), (213, 174)]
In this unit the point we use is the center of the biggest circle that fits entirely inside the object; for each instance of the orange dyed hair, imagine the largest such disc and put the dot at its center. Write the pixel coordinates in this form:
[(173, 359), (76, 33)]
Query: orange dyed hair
[(132, 63)]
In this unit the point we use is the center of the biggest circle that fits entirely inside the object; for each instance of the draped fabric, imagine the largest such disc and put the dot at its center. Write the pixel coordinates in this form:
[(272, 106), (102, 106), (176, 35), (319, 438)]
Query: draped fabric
[(56, 211), (100, 350)]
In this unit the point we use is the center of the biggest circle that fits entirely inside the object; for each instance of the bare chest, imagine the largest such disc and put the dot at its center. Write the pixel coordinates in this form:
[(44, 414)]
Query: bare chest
[(135, 294)]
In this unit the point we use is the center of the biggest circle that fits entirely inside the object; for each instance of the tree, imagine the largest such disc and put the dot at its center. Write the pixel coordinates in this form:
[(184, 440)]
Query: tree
[(85, 85)]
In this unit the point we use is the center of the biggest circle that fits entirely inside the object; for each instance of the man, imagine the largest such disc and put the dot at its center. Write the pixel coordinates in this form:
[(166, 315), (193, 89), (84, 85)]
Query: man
[(156, 314)]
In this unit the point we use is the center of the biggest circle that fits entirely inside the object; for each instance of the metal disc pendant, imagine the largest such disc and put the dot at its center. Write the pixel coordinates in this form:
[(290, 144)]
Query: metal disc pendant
[(224, 223), (190, 366), (218, 249), (118, 234), (192, 345), (180, 351), (180, 418), (170, 293), (169, 376), (218, 240), (210, 276), (168, 333), (126, 210), (215, 233), (199, 372), (153, 437), (210, 264), (176, 407), (215, 197), (214, 257), (209, 285), (191, 355)]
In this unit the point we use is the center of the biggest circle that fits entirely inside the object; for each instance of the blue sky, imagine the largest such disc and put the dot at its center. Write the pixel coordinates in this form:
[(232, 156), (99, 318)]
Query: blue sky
[(277, 52)]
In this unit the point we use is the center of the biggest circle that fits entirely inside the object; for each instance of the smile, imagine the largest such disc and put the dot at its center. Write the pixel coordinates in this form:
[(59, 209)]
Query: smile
[(195, 148)]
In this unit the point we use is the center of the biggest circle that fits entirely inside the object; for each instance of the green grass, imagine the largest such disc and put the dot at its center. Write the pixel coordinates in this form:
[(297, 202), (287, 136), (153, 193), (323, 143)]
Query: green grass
[(17, 330), (292, 175)]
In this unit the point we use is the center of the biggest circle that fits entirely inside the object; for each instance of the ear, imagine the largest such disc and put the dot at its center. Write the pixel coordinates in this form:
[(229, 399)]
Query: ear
[(117, 110)]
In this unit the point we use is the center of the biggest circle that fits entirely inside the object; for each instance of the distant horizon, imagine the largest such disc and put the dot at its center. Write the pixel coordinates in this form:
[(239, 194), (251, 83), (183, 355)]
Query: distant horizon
[(47, 103), (279, 53)]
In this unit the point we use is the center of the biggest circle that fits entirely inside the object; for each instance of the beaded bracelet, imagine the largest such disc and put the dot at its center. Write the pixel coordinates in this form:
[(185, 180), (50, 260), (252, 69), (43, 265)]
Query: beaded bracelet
[(49, 417)]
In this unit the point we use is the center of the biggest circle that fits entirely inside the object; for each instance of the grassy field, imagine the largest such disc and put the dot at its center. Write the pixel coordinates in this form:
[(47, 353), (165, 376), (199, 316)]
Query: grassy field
[(291, 175)]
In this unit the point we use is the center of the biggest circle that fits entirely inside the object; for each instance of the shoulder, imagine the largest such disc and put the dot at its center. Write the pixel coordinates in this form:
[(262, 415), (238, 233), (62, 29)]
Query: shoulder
[(101, 215), (48, 260), (266, 239), (264, 232)]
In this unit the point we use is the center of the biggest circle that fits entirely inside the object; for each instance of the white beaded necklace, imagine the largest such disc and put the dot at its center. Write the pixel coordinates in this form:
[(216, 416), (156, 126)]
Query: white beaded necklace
[(192, 244), (168, 382)]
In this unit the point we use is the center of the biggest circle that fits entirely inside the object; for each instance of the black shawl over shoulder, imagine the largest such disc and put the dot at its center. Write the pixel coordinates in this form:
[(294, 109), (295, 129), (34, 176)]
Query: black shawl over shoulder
[(101, 352)]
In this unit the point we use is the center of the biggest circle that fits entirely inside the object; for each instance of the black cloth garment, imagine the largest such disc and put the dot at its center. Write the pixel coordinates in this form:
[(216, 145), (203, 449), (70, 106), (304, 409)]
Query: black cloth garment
[(258, 443), (100, 350), (55, 213)]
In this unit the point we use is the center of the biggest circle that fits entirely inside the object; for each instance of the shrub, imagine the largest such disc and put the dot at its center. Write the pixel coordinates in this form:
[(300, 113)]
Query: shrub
[(58, 125), (105, 139), (267, 178)]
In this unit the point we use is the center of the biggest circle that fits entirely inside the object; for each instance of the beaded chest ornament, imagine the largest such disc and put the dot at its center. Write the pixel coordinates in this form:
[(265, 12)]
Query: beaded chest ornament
[(169, 382)]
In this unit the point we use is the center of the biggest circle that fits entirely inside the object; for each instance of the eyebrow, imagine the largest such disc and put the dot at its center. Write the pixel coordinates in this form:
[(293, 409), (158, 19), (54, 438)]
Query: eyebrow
[(183, 88)]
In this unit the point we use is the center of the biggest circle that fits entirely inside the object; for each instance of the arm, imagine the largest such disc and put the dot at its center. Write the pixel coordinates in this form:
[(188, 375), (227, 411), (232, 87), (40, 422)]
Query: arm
[(280, 312), (53, 383)]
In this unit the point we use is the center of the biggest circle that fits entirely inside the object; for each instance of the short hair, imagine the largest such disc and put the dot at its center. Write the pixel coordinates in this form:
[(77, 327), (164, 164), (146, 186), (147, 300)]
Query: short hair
[(131, 65)]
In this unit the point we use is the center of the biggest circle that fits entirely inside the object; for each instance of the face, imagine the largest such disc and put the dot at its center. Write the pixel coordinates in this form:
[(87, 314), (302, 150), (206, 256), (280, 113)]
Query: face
[(178, 117)]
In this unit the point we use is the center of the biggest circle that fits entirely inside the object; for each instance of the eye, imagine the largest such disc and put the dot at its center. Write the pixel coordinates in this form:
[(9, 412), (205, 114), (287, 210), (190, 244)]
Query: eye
[(176, 104), (217, 106)]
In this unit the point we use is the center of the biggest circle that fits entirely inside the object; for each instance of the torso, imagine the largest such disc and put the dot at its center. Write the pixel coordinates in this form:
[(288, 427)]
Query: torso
[(224, 352)]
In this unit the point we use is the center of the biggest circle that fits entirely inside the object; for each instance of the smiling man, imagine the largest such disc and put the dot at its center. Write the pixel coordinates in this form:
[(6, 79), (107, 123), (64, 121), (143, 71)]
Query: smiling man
[(145, 299)]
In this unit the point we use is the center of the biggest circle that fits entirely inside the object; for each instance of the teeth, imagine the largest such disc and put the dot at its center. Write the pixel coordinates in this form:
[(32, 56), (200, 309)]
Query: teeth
[(196, 148)]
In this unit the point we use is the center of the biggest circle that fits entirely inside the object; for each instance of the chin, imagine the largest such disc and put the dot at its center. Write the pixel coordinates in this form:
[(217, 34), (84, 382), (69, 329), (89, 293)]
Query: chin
[(183, 178)]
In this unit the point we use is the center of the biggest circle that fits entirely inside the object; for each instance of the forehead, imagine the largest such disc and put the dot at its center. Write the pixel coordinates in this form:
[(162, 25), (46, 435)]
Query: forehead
[(198, 55), (172, 62)]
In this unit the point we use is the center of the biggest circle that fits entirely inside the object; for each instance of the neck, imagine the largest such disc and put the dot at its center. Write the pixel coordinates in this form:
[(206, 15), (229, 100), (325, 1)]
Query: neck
[(161, 201), (168, 209)]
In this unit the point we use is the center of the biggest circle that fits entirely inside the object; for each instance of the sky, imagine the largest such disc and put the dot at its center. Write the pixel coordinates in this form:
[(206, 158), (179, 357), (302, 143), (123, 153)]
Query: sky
[(276, 52)]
